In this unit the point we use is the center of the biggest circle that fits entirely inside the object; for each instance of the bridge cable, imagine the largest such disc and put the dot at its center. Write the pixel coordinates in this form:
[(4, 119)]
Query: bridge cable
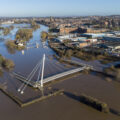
[(22, 91), (27, 78), (36, 67)]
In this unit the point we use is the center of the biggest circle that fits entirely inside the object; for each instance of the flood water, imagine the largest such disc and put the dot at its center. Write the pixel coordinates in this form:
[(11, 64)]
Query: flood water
[(58, 107)]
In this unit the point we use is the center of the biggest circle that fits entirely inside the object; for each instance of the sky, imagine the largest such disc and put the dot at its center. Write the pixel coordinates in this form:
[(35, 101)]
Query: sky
[(42, 8)]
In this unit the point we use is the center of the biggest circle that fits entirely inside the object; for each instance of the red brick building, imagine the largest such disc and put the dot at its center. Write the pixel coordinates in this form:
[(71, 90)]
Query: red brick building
[(67, 30)]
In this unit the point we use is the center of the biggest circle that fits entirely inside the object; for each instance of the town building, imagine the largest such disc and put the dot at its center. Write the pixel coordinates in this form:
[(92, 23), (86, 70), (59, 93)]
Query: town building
[(67, 30)]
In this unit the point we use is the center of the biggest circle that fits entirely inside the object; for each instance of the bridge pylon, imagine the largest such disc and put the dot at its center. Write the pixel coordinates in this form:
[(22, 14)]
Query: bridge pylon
[(43, 67)]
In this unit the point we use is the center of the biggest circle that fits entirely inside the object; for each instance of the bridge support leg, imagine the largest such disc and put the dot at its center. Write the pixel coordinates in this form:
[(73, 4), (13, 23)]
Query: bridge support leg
[(43, 65)]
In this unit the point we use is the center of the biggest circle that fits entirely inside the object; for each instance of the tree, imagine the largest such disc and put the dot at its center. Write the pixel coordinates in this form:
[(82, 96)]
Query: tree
[(68, 53), (17, 37), (118, 74), (24, 34), (44, 35), (34, 25)]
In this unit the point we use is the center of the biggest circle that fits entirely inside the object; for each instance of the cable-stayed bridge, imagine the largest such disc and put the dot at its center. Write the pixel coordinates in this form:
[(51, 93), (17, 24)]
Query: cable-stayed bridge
[(39, 83)]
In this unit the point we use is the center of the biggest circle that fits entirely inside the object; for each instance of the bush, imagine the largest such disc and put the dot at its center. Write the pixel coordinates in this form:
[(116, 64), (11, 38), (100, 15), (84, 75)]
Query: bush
[(11, 44), (118, 74), (34, 25), (1, 59), (8, 64), (5, 63), (90, 101), (115, 72), (68, 53), (1, 72), (44, 35), (24, 34), (6, 31)]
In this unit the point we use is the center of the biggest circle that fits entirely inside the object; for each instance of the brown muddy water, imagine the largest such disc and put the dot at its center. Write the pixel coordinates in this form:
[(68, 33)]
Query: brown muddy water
[(63, 107)]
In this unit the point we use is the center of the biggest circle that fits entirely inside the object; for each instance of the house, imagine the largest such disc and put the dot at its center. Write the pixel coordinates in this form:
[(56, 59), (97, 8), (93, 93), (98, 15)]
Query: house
[(19, 43), (114, 47), (67, 30), (93, 35), (83, 44)]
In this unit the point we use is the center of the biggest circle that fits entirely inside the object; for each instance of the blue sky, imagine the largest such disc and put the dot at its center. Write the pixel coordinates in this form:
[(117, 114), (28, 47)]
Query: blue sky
[(58, 7)]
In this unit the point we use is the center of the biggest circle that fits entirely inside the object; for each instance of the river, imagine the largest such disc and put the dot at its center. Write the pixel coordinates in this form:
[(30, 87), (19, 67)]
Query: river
[(58, 107)]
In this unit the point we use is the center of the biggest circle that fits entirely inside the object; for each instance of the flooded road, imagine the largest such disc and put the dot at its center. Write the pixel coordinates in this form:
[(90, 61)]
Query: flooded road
[(58, 107)]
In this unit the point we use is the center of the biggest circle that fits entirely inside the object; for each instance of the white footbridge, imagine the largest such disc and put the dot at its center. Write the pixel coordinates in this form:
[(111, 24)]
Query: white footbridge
[(39, 83)]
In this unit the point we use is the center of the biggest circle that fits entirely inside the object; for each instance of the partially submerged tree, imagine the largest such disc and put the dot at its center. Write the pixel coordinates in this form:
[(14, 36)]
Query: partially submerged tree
[(44, 35)]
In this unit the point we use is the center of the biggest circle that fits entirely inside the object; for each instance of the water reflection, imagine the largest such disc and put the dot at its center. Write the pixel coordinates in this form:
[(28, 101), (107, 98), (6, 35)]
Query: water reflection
[(11, 50), (23, 52)]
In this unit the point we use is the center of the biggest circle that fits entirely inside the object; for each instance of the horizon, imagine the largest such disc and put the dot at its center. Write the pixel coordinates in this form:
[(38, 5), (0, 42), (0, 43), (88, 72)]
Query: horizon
[(63, 8), (59, 16)]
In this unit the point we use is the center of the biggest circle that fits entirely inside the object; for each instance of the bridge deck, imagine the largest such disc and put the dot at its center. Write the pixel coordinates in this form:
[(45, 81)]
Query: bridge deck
[(63, 74), (49, 79)]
